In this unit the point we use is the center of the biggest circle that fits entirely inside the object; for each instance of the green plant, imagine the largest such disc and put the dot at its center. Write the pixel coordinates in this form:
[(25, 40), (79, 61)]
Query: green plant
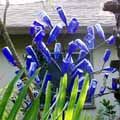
[(70, 108), (107, 111), (55, 111)]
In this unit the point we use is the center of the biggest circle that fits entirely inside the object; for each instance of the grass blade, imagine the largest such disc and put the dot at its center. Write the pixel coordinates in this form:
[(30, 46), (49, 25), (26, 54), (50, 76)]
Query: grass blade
[(89, 117), (82, 98), (20, 98), (69, 111), (61, 100), (83, 115), (47, 100), (32, 113), (8, 93)]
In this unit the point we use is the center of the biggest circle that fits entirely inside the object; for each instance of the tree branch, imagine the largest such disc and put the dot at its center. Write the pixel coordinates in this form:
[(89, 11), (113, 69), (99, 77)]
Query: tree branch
[(112, 6), (9, 43), (5, 12)]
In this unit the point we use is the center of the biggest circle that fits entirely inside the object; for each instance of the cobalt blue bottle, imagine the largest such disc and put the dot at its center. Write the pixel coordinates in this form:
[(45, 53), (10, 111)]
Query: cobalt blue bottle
[(62, 14), (92, 88), (107, 55), (100, 31), (8, 55), (73, 26), (45, 18), (54, 33), (31, 52), (57, 51)]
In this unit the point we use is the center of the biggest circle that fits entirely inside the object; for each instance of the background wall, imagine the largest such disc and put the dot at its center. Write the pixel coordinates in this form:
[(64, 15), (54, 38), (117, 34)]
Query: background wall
[(7, 71)]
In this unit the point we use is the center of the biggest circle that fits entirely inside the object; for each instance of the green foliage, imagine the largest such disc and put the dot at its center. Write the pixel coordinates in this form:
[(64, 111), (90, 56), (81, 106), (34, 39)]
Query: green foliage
[(82, 98), (55, 112), (109, 108), (107, 111), (69, 111), (47, 101), (8, 93), (61, 100), (20, 98), (33, 110)]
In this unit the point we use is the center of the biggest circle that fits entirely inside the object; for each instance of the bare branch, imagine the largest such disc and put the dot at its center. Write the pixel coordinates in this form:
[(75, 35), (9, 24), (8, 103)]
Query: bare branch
[(5, 12), (112, 6), (9, 43)]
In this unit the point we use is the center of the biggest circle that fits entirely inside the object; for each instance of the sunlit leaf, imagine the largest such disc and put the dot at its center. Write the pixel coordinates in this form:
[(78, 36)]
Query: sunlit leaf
[(82, 98), (47, 100), (20, 98), (8, 93), (70, 109)]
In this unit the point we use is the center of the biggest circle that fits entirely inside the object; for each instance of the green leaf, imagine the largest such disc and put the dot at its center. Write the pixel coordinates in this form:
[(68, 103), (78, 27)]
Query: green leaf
[(32, 113), (70, 109), (61, 100), (83, 115), (20, 98), (82, 98), (47, 101), (36, 109), (88, 117), (8, 93)]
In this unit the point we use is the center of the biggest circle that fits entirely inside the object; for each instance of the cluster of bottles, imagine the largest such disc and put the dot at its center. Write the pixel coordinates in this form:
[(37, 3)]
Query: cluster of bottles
[(38, 32)]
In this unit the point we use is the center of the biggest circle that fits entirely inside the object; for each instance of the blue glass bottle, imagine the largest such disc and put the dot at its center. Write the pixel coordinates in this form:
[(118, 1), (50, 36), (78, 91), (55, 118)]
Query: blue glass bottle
[(78, 72), (92, 88), (73, 26), (72, 47), (62, 14), (81, 45), (8, 55), (89, 66), (111, 40), (39, 36), (100, 31), (67, 64), (81, 65), (84, 65), (80, 84), (107, 55), (28, 104), (32, 69), (20, 85), (37, 23), (28, 61), (114, 84), (90, 30), (36, 27), (82, 55), (106, 75), (37, 81), (64, 66), (45, 18), (102, 90), (48, 78), (57, 51), (44, 50), (54, 33), (89, 40), (109, 69), (32, 53), (35, 93)]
